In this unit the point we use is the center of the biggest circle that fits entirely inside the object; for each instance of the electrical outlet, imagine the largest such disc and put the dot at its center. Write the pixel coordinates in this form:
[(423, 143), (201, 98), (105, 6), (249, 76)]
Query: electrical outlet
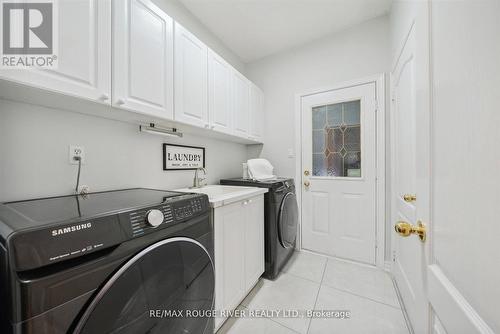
[(76, 151)]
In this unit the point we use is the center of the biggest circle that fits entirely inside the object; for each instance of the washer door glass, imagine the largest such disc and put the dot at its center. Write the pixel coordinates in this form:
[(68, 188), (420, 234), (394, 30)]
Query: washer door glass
[(288, 220), (153, 291)]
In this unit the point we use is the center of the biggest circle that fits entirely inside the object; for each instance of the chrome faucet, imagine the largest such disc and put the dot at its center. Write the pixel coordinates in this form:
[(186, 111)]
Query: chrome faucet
[(198, 181)]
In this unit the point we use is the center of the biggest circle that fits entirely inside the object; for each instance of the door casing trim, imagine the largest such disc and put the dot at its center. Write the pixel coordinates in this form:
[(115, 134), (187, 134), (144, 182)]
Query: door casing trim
[(380, 184)]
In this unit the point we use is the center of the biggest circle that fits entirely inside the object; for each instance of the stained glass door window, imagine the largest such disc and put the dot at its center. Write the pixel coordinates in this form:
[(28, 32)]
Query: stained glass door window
[(336, 131)]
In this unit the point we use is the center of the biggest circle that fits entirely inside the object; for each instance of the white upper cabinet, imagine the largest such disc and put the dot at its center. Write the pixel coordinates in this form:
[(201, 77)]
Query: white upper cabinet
[(256, 112), (131, 55), (143, 58), (84, 55), (191, 70), (219, 93), (240, 87)]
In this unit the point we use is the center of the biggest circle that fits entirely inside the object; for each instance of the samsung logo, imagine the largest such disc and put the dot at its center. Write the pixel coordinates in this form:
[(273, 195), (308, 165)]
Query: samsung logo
[(70, 229)]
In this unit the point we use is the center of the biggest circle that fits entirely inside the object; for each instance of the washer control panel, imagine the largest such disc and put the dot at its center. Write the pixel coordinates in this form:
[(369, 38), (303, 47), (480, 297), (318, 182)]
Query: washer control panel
[(173, 211), (188, 209)]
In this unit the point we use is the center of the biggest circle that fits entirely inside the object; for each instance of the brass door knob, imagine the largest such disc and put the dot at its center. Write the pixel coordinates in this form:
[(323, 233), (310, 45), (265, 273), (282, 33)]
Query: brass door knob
[(405, 229), (307, 183), (409, 198), (306, 173)]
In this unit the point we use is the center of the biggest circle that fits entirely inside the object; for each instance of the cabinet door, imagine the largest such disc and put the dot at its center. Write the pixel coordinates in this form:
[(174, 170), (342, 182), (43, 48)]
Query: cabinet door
[(256, 112), (219, 93), (254, 240), (240, 94), (84, 55), (143, 58), (191, 69), (229, 256)]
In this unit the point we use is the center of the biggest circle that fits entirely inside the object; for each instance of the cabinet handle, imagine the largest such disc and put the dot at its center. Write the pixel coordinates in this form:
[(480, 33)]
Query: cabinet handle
[(245, 202), (212, 127), (104, 97), (206, 126), (120, 102), (250, 201)]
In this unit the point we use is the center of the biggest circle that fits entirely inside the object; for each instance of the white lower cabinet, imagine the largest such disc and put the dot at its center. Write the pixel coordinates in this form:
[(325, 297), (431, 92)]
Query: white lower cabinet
[(239, 251), (254, 241)]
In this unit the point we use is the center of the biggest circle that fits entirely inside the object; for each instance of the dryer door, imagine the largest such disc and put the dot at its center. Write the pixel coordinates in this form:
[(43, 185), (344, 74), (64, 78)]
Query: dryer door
[(288, 220), (153, 291)]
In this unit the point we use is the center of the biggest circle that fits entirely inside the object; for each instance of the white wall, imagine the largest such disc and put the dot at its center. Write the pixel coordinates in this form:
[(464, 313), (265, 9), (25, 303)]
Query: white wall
[(466, 157), (34, 162), (355, 53), (351, 54), (34, 143)]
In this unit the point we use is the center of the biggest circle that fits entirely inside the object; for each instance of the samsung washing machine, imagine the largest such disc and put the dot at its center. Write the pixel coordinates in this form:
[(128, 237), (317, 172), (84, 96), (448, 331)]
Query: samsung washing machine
[(281, 220), (127, 261)]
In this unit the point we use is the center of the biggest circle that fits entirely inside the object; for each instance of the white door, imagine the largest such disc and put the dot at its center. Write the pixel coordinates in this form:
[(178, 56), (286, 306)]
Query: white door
[(191, 70), (142, 58), (240, 88), (84, 56), (256, 112), (254, 240), (464, 274), (219, 93), (339, 179), (410, 154)]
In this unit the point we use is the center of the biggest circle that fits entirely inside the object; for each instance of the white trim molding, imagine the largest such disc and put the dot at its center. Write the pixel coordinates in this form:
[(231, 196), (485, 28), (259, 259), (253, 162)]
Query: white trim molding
[(379, 81), (448, 302), (388, 266)]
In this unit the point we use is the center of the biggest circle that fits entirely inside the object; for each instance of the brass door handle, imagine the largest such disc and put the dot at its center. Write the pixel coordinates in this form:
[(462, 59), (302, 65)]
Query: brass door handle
[(409, 198), (307, 183), (405, 229), (306, 173)]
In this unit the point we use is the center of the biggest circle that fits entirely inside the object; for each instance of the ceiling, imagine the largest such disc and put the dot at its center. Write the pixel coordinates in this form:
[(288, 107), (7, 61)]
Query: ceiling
[(254, 29)]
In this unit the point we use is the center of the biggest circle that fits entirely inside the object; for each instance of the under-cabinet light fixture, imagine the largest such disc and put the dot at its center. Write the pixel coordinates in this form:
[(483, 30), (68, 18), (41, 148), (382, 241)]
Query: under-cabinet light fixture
[(153, 129)]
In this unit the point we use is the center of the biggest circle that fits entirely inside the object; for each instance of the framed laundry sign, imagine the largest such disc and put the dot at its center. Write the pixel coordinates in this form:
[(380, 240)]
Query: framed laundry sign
[(181, 157)]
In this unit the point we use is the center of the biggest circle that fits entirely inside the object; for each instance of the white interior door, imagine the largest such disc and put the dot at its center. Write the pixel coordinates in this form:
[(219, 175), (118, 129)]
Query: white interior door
[(410, 191), (339, 179), (464, 273)]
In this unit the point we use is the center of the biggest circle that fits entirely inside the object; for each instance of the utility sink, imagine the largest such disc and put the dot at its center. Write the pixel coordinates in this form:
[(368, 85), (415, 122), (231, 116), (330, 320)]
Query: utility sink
[(219, 195)]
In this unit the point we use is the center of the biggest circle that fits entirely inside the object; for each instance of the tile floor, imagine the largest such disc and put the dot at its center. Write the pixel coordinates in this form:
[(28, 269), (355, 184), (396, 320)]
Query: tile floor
[(313, 282)]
